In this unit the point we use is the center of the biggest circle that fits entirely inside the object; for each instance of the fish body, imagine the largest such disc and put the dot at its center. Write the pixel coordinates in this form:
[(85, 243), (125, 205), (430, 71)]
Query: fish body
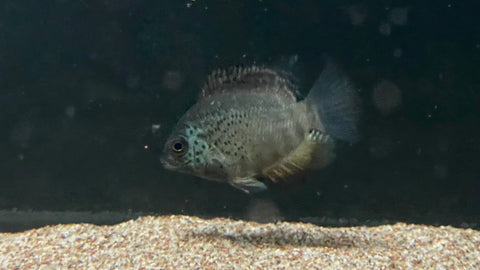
[(249, 124)]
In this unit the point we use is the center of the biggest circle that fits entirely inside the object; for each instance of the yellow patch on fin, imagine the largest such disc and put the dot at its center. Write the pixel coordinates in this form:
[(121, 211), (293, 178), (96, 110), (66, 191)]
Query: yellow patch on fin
[(315, 151)]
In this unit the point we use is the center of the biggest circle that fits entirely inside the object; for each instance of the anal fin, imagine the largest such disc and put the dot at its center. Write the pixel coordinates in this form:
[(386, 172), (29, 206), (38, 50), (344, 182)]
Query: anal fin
[(315, 151)]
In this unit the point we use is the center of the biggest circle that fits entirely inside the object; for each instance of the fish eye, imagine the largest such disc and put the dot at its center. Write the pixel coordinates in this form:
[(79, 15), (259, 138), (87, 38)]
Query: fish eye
[(179, 146)]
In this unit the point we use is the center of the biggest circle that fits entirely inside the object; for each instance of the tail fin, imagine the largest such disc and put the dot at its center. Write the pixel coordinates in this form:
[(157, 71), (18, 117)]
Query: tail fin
[(336, 103)]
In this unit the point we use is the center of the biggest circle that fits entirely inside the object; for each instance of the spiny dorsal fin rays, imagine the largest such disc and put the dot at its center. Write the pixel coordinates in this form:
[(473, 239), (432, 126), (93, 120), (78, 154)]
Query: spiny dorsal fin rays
[(252, 78)]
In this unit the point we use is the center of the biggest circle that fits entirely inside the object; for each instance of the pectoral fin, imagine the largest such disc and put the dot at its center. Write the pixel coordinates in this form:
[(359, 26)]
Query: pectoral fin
[(315, 151), (248, 184)]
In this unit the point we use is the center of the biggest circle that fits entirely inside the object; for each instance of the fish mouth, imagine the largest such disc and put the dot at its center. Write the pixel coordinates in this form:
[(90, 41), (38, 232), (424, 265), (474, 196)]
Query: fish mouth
[(166, 163)]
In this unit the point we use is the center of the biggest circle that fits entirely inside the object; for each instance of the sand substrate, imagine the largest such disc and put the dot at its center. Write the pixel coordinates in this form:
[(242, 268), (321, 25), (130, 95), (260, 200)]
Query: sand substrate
[(183, 242)]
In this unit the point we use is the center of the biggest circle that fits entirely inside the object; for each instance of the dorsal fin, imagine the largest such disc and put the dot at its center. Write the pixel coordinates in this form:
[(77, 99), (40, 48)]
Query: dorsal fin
[(252, 78)]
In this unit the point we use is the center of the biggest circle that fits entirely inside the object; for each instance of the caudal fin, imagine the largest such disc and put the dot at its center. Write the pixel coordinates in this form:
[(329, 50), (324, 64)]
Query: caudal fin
[(337, 104)]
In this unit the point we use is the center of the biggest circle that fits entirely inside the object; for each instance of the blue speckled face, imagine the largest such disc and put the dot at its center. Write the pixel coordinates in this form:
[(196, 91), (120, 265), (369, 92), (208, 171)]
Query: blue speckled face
[(187, 151)]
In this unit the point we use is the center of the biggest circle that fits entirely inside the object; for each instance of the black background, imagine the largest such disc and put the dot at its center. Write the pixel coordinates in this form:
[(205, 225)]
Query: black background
[(82, 83)]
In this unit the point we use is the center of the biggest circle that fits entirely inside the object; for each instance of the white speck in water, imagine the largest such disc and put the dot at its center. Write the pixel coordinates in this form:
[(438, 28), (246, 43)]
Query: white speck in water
[(145, 146), (21, 156), (398, 16), (155, 128), (345, 186), (385, 29), (189, 4), (397, 53), (244, 55)]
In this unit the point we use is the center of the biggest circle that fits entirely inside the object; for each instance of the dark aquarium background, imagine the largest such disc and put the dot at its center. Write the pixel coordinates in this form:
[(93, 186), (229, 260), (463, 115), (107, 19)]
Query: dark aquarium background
[(89, 91)]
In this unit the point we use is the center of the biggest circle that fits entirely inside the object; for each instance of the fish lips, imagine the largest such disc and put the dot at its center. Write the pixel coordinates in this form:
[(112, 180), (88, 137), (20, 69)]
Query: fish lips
[(167, 163), (172, 164)]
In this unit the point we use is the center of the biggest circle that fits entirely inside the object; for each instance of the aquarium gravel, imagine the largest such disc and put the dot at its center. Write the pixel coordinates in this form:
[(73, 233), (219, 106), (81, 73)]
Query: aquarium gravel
[(184, 242)]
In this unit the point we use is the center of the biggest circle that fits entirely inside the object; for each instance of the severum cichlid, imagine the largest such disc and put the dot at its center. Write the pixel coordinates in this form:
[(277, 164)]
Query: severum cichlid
[(248, 124)]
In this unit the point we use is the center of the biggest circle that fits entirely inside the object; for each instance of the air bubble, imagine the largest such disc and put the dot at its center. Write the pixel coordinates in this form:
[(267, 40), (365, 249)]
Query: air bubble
[(357, 14), (387, 97), (398, 16), (397, 53), (21, 134), (385, 29), (70, 111), (172, 80), (263, 211)]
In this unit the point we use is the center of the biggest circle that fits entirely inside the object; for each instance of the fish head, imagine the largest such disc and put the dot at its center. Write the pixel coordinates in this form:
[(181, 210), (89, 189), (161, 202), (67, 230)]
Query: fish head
[(188, 150)]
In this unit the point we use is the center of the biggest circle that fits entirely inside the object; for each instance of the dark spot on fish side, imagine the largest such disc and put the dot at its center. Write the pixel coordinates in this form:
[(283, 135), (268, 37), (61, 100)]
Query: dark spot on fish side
[(197, 160), (203, 146), (195, 142)]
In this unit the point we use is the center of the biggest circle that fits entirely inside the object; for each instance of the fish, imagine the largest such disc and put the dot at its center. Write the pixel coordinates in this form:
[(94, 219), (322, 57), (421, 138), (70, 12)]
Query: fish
[(251, 128)]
